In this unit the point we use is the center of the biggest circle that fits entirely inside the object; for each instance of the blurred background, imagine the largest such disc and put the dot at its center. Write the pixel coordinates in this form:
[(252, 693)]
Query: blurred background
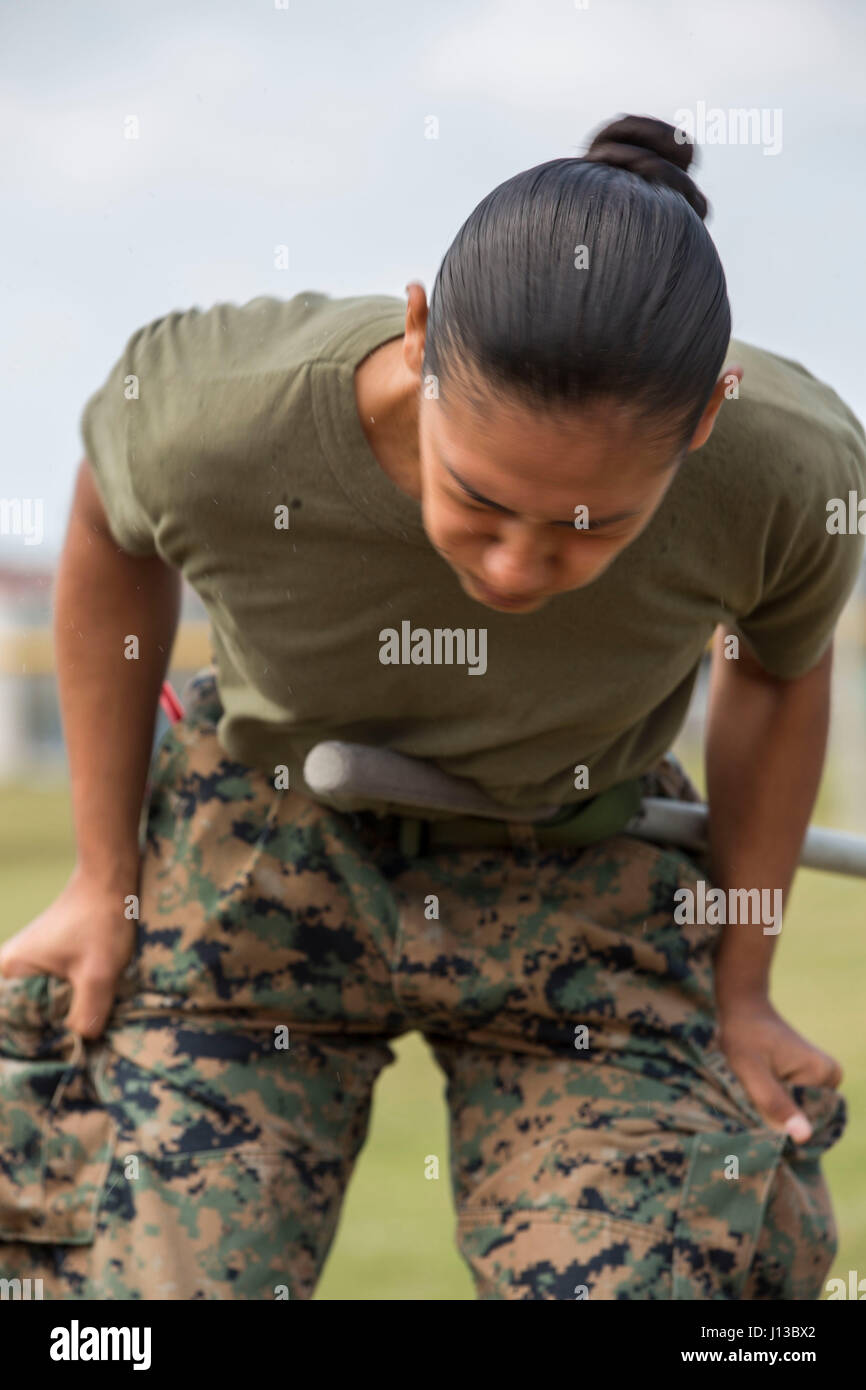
[(158, 158)]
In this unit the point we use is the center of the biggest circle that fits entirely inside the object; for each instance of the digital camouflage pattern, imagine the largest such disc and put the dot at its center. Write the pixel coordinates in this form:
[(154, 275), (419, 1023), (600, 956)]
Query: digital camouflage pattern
[(601, 1146)]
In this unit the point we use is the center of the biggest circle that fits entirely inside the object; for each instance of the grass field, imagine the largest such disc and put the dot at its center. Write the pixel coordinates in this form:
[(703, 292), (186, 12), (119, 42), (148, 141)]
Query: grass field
[(395, 1239)]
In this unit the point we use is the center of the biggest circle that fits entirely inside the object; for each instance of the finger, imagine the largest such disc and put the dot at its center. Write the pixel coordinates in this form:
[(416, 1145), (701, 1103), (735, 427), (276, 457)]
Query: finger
[(773, 1102), (834, 1074), (92, 998), (815, 1069), (14, 966)]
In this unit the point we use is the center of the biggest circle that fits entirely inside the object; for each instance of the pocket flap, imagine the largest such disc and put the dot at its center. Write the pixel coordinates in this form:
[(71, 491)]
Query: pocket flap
[(56, 1138), (721, 1211), (32, 1012)]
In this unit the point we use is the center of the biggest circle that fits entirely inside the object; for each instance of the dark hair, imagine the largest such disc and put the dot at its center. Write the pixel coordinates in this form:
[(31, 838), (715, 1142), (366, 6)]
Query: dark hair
[(646, 324)]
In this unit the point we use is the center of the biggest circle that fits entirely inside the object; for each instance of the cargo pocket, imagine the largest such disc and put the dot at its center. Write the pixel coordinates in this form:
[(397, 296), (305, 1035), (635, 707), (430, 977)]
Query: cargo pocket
[(721, 1212), (56, 1138), (786, 1236), (799, 1238), (629, 1212)]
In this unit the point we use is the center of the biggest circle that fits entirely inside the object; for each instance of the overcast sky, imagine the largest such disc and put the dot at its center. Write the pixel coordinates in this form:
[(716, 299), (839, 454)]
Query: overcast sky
[(305, 126)]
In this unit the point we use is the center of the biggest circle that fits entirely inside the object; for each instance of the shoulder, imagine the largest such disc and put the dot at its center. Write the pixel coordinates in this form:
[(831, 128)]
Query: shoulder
[(241, 340), (230, 380), (752, 504), (202, 398), (787, 435)]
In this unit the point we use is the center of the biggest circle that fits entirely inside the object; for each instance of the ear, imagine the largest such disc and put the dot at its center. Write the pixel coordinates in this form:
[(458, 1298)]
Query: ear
[(416, 327), (708, 419)]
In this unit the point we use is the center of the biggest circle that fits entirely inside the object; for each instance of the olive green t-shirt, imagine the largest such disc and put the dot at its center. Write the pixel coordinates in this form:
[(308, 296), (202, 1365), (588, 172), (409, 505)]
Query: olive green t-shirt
[(228, 442)]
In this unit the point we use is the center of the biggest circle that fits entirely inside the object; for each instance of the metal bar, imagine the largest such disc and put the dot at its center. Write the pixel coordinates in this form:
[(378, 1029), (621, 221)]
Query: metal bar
[(685, 823), (334, 768)]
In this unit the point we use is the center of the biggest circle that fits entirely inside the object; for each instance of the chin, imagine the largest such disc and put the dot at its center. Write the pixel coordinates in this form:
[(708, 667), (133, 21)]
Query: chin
[(529, 605)]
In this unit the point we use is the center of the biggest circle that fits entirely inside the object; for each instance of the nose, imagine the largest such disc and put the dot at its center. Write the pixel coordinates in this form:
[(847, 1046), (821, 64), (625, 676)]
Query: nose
[(519, 561)]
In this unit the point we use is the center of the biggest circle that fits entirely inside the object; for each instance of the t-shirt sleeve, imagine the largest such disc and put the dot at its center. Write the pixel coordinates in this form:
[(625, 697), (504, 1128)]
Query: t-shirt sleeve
[(107, 423), (813, 569)]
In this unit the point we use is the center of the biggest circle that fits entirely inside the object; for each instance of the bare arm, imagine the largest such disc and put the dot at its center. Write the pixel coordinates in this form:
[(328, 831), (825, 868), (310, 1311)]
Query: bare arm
[(108, 703), (766, 742)]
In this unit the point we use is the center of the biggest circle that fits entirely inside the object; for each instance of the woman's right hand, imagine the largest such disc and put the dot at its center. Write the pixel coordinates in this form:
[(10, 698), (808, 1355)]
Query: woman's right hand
[(85, 938)]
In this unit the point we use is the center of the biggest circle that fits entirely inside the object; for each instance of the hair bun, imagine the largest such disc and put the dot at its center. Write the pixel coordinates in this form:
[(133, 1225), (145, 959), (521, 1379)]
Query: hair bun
[(649, 148)]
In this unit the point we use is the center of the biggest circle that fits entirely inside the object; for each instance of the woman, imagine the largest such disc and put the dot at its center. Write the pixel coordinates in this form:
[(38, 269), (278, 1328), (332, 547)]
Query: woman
[(554, 465)]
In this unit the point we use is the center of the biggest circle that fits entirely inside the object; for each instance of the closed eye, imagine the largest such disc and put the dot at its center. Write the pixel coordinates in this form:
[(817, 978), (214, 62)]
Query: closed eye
[(599, 527), (479, 503)]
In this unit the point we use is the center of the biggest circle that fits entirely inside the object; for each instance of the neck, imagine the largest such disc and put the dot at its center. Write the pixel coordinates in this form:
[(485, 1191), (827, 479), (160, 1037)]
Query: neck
[(386, 394)]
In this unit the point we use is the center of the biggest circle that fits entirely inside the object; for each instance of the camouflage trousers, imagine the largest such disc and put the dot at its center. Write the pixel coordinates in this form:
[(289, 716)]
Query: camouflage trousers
[(600, 1145)]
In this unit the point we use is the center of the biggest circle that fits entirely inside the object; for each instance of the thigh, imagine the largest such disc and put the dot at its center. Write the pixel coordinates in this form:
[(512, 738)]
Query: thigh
[(601, 1146), (202, 1147), (172, 1161), (255, 899), (572, 1183)]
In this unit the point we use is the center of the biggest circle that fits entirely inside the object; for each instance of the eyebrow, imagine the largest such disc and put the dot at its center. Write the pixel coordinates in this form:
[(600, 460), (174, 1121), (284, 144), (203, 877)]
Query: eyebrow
[(592, 525)]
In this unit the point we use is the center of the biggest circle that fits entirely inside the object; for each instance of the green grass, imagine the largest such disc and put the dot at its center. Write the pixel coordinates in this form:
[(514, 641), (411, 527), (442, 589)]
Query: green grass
[(396, 1235)]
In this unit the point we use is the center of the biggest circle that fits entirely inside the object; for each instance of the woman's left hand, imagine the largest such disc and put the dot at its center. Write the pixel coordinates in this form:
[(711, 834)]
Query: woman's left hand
[(768, 1056)]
